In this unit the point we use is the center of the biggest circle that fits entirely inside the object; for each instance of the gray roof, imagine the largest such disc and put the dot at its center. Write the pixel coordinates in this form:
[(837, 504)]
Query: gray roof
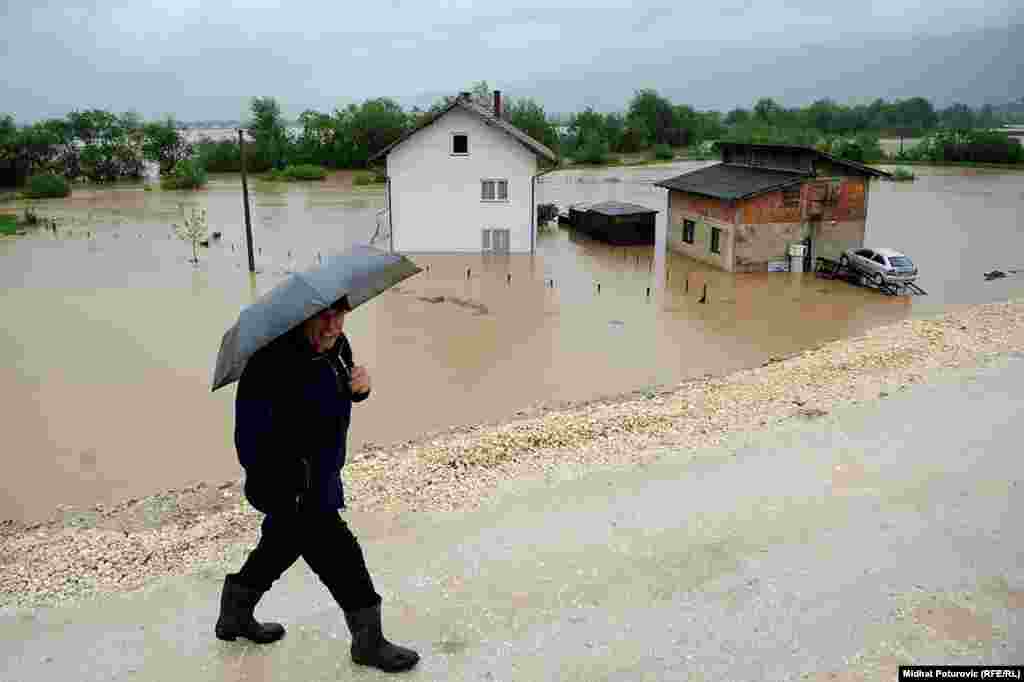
[(488, 117), (726, 181), (620, 208), (866, 170)]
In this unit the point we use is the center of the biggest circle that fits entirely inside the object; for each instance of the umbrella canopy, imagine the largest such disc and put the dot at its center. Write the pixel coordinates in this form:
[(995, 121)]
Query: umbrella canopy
[(360, 273)]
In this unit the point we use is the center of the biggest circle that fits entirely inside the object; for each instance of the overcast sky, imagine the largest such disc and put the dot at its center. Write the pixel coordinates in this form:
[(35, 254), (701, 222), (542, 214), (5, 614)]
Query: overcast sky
[(197, 59)]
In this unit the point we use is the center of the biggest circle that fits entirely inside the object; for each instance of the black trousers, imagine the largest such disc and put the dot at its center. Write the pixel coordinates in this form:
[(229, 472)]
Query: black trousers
[(327, 545)]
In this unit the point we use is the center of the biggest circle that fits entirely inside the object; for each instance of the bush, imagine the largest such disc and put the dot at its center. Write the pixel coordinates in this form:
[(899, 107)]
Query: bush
[(187, 174), (973, 146), (47, 186), (8, 224), (902, 174), (299, 172), (222, 157), (305, 172), (663, 152), (594, 151)]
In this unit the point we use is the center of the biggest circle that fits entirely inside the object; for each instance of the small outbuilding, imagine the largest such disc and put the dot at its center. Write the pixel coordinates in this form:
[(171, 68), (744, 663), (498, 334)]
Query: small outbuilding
[(746, 213), (616, 222)]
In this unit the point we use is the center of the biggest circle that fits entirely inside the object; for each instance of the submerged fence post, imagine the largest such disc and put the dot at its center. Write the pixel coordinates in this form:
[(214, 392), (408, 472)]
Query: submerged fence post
[(598, 287), (704, 296)]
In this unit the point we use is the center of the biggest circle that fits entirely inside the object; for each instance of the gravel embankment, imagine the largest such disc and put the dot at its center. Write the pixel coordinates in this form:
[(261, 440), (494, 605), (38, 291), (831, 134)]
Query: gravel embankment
[(92, 552)]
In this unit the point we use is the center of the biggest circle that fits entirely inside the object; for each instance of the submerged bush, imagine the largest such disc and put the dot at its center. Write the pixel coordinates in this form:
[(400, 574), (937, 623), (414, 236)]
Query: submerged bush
[(187, 174), (47, 186)]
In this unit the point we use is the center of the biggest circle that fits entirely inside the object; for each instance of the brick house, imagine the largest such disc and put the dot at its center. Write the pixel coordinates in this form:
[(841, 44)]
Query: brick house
[(745, 212)]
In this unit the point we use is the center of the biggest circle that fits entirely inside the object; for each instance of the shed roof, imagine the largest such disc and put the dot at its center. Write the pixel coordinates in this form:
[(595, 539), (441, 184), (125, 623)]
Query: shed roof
[(488, 117), (726, 181), (620, 208), (866, 170)]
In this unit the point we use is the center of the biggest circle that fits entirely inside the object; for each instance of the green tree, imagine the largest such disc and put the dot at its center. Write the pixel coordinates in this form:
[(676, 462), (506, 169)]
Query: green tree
[(8, 135), (270, 135), (959, 116), (766, 110), (163, 144), (528, 116), (372, 126), (737, 117), (317, 140), (652, 114)]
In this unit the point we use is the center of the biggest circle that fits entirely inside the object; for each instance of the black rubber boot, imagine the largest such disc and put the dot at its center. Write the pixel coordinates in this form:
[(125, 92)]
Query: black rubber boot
[(369, 646), (237, 602)]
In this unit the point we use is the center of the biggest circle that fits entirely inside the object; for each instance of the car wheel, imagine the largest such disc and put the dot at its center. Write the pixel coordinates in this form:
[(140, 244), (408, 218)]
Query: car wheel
[(879, 280)]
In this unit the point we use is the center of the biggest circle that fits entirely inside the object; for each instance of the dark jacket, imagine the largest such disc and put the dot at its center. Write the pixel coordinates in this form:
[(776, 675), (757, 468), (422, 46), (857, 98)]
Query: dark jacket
[(292, 412)]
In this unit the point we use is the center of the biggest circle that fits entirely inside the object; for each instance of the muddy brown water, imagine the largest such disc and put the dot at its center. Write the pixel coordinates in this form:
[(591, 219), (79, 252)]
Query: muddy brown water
[(110, 334)]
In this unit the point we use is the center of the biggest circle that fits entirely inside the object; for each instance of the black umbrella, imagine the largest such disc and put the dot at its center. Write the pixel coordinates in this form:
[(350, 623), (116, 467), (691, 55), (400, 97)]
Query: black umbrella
[(360, 274)]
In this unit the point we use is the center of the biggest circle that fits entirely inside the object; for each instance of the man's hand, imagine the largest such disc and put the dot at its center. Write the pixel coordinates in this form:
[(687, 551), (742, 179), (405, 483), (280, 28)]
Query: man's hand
[(360, 382)]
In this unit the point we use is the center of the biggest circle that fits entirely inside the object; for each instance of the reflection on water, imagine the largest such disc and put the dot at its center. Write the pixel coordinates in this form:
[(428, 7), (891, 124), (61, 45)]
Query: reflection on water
[(111, 338)]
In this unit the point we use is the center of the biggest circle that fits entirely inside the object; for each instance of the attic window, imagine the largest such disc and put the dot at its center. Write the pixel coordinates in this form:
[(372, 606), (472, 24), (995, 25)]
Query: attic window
[(460, 144)]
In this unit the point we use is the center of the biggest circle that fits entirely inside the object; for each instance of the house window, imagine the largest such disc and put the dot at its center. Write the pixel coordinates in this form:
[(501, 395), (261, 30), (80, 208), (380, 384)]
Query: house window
[(689, 227), (494, 190), (496, 240), (716, 240), (460, 144)]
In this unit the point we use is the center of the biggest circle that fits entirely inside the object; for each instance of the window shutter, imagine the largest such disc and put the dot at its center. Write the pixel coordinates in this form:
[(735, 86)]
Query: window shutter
[(502, 190), (487, 240)]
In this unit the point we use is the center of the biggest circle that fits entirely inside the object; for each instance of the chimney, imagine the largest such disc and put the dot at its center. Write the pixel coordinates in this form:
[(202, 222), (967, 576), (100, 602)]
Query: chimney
[(497, 103)]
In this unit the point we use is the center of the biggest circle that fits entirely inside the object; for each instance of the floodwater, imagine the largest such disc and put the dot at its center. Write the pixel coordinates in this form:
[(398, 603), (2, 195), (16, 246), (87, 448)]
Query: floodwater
[(111, 334)]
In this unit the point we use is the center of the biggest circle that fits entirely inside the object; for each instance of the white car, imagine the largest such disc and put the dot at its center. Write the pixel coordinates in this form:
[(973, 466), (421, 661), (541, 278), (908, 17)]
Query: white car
[(881, 266)]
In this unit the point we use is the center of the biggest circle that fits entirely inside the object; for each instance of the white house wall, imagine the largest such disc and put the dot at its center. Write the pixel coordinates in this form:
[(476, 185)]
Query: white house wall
[(435, 196)]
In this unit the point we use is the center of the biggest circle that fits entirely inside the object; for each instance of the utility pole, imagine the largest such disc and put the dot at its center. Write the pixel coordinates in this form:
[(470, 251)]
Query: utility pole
[(245, 200)]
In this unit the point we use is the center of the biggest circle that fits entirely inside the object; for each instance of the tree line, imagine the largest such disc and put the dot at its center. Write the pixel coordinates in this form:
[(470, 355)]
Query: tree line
[(102, 146)]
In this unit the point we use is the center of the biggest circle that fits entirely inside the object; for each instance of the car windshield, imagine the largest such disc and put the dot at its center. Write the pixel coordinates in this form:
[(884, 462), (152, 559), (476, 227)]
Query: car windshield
[(900, 262)]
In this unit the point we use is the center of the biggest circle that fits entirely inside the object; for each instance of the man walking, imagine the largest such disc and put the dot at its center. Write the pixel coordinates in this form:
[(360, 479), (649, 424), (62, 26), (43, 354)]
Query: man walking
[(292, 413)]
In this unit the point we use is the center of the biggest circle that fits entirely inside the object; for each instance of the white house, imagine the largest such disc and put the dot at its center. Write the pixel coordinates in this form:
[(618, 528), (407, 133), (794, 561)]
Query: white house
[(464, 181)]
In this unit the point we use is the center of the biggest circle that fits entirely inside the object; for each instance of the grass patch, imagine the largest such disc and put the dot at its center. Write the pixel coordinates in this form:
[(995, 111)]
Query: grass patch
[(301, 172), (8, 223), (47, 186), (369, 179)]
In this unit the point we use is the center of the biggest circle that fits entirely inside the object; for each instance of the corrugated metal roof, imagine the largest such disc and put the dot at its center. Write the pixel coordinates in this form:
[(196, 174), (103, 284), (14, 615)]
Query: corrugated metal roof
[(726, 181), (620, 208), (487, 116)]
